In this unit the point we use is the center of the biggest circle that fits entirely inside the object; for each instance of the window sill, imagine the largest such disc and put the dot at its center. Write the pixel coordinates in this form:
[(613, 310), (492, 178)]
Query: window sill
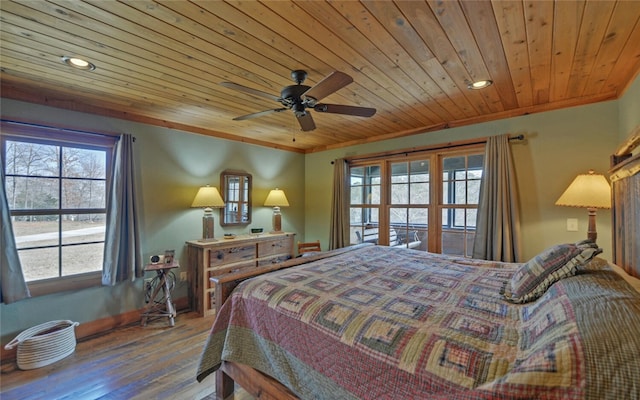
[(67, 283)]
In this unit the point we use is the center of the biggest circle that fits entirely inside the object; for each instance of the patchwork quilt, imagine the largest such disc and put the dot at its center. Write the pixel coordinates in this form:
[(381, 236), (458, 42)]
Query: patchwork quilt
[(387, 323)]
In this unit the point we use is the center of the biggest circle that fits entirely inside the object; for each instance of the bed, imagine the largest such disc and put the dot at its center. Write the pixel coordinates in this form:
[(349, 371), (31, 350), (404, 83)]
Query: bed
[(350, 324)]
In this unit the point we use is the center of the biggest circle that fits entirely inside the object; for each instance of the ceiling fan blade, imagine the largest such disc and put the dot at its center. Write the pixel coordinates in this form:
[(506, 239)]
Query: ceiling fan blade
[(306, 122), (331, 83), (347, 110), (259, 114), (245, 89)]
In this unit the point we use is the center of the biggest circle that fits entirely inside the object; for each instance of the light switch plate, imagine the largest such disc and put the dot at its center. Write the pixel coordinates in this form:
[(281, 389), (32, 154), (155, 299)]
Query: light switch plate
[(572, 224)]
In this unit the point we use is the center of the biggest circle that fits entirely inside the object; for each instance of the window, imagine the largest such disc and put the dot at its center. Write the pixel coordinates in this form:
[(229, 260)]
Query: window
[(461, 175), (397, 202), (56, 184), (409, 203), (365, 197)]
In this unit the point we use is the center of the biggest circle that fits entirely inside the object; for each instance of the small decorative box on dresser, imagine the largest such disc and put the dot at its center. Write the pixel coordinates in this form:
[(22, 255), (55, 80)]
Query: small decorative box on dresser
[(224, 256)]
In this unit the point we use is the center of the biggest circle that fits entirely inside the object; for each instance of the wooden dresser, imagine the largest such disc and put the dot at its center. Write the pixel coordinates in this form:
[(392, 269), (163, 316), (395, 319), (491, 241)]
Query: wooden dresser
[(224, 256)]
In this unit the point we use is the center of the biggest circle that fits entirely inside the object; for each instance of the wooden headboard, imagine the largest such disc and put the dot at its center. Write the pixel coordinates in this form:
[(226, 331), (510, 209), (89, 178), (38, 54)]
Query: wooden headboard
[(625, 182)]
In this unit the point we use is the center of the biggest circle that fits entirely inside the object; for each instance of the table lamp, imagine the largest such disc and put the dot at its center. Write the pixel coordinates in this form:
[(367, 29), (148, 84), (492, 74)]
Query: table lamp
[(208, 197), (590, 191), (276, 199)]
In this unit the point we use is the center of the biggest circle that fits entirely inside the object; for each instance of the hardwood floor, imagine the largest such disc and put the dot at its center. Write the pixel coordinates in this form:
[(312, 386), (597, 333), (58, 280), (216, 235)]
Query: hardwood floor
[(134, 362)]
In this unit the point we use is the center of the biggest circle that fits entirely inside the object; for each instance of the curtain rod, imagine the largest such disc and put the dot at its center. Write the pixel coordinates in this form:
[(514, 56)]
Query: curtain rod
[(28, 124), (407, 152)]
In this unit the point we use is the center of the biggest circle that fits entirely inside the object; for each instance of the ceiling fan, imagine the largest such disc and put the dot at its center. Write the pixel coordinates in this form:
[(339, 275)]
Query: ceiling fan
[(300, 98)]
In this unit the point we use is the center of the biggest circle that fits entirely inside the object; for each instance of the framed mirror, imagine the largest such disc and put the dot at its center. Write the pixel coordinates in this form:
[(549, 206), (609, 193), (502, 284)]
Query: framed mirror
[(235, 187)]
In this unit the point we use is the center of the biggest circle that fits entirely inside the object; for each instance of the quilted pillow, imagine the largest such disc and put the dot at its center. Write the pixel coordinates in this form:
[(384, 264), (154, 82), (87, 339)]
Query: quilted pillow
[(534, 277)]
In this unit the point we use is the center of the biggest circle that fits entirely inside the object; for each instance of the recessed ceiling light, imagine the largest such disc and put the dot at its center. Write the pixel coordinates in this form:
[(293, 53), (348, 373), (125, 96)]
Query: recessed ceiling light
[(78, 63), (479, 84)]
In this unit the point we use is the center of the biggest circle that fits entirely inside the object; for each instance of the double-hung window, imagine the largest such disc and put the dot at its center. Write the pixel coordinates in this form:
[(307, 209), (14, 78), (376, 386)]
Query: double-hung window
[(56, 184), (425, 200)]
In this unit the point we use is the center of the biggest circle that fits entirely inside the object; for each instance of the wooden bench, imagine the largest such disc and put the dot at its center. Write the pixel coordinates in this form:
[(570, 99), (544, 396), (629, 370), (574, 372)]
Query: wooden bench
[(370, 235)]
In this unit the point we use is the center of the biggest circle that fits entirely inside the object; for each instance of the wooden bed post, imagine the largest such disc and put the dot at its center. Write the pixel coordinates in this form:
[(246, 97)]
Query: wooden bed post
[(224, 384)]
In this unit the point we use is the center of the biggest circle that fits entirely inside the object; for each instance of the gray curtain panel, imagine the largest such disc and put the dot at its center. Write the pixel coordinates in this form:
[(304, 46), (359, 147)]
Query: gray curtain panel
[(498, 223), (122, 257), (339, 233), (13, 286)]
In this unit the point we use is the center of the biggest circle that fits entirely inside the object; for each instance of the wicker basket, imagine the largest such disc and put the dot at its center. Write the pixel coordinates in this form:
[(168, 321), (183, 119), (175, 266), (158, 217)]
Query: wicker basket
[(44, 344)]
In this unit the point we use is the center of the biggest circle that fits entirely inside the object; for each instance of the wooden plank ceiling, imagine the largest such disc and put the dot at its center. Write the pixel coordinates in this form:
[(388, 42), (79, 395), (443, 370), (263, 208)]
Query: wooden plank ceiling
[(162, 62)]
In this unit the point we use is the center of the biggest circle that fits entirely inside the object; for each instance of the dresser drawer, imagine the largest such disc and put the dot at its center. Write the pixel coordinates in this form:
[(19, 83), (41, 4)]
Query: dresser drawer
[(273, 260), (231, 268), (231, 255), (273, 247)]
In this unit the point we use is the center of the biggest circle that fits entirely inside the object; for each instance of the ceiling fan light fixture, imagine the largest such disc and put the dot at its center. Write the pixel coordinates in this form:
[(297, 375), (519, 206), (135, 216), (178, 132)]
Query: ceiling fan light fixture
[(480, 84), (298, 109), (78, 63)]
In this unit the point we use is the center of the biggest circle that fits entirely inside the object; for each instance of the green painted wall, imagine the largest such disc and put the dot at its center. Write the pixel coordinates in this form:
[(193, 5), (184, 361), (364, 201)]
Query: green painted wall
[(171, 166)]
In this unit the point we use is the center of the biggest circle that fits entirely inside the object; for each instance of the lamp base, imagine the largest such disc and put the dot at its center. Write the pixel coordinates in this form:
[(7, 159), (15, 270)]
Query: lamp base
[(591, 231), (207, 226), (277, 220)]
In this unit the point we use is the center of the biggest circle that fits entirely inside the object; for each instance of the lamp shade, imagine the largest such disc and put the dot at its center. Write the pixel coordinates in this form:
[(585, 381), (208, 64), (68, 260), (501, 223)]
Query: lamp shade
[(276, 198), (588, 191), (208, 197)]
